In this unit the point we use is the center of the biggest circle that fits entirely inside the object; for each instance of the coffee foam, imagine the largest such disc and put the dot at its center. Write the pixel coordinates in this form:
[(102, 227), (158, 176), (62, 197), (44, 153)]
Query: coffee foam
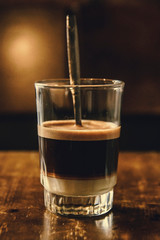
[(91, 130)]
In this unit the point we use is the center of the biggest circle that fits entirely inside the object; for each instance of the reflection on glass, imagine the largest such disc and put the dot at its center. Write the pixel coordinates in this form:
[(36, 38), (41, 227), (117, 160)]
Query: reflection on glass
[(106, 224), (65, 228)]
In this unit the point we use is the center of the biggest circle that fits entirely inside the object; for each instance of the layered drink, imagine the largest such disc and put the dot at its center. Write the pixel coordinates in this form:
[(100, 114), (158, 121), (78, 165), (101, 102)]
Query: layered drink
[(78, 160)]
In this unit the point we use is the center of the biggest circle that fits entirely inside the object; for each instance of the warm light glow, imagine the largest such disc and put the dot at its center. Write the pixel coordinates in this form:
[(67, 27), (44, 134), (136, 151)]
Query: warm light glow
[(23, 48), (32, 48)]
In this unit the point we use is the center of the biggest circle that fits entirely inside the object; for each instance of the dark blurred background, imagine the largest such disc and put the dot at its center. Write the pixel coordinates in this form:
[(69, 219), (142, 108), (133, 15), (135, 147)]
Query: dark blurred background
[(118, 39)]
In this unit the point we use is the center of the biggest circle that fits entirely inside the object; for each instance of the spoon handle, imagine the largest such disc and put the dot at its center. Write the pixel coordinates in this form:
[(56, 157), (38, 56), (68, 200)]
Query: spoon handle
[(74, 64)]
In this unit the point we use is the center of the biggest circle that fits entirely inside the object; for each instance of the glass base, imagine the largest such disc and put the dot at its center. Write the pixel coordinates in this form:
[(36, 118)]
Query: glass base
[(79, 206)]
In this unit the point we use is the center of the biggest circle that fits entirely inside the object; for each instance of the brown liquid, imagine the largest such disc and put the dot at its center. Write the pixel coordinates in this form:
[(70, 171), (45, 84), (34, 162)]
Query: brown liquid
[(72, 152)]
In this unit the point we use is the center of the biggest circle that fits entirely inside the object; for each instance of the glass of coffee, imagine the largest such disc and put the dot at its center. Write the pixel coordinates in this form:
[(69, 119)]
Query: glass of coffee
[(78, 164)]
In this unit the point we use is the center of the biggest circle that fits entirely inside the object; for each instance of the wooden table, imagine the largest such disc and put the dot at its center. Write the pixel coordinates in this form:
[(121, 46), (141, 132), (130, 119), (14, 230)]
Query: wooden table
[(136, 212)]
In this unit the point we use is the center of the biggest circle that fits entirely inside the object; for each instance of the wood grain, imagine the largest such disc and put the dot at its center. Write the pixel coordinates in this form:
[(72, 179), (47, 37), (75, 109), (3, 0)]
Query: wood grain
[(136, 212)]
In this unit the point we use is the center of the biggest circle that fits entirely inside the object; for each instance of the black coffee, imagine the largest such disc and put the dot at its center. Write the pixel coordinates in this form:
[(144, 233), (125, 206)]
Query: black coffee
[(91, 151)]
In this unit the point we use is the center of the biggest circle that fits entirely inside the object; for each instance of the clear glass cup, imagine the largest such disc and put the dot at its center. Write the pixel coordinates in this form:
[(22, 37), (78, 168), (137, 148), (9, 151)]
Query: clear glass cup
[(78, 164)]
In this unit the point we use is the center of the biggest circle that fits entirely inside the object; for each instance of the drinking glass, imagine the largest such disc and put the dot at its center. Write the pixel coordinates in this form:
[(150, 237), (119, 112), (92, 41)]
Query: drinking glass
[(78, 163)]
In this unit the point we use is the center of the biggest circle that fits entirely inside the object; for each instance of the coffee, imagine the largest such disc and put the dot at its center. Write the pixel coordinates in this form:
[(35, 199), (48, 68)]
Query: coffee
[(78, 160)]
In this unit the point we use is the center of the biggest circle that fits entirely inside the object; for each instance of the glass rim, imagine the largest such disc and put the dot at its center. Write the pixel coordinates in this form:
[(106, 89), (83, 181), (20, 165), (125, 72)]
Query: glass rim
[(105, 82)]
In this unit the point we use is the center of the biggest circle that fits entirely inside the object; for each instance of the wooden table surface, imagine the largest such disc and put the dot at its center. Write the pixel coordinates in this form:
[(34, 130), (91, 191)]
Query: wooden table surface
[(135, 215)]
